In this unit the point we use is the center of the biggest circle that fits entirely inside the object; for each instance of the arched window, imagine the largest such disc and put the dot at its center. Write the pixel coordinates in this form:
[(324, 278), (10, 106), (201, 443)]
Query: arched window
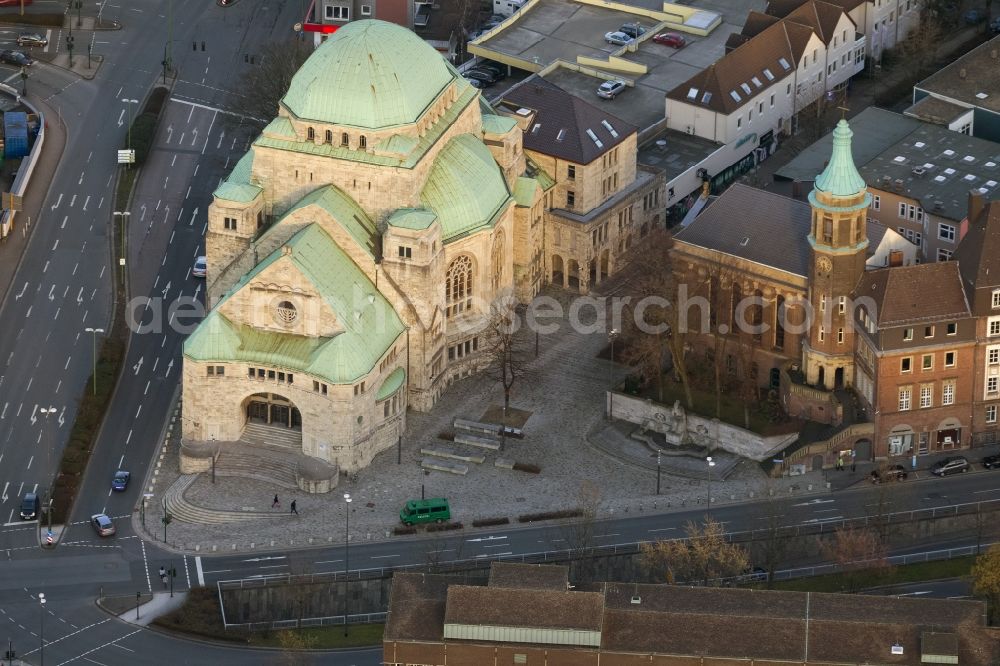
[(329, 137), (345, 140), (285, 313), (497, 259), (734, 304), (363, 142), (458, 285), (311, 134)]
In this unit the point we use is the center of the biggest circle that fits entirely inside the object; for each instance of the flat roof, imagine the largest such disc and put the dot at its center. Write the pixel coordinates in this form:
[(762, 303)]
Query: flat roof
[(679, 153), (936, 110), (561, 30), (981, 77)]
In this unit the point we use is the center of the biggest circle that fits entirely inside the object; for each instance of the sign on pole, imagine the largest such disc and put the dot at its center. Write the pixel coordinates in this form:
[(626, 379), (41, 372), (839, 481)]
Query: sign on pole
[(126, 157)]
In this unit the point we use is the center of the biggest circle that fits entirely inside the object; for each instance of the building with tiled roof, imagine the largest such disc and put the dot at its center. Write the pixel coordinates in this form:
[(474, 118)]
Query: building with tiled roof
[(843, 303), (438, 620), (964, 95)]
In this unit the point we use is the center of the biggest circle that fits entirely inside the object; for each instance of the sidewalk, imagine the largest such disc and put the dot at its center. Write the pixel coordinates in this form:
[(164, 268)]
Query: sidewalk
[(123, 607)]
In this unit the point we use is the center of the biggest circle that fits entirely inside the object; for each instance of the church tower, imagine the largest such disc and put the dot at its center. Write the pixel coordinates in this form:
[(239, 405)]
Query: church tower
[(838, 242)]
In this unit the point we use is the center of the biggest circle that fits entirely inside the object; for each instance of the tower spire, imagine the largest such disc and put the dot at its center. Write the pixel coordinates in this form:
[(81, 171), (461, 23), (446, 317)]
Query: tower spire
[(840, 177)]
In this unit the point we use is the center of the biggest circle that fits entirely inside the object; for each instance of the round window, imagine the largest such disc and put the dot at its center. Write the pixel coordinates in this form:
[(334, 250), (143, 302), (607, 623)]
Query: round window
[(286, 313)]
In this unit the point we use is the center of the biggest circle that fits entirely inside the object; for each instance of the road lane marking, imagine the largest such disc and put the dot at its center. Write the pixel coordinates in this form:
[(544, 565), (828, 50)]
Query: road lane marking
[(201, 574), (381, 557), (330, 561)]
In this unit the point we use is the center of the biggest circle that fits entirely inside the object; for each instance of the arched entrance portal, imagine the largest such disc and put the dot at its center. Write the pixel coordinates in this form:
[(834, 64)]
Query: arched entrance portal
[(273, 410)]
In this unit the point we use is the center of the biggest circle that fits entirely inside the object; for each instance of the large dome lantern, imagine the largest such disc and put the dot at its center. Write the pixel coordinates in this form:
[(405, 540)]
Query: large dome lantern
[(369, 74)]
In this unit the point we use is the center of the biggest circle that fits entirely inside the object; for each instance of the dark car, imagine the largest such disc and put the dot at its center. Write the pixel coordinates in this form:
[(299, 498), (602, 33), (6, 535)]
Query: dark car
[(15, 58), (475, 84), (102, 524), (31, 39), (496, 70), (973, 17), (891, 473), (992, 462), (120, 480), (954, 465), (995, 25), (493, 76), (29, 506), (485, 80), (633, 30)]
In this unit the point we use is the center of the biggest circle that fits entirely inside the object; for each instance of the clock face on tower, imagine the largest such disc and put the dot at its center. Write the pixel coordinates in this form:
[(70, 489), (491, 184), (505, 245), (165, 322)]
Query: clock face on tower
[(824, 264)]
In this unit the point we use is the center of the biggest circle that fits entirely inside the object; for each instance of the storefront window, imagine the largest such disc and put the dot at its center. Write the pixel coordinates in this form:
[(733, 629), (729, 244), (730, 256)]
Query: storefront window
[(900, 444)]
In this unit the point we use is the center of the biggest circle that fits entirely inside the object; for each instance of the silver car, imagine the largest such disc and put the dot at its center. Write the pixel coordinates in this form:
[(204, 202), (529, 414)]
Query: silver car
[(617, 38), (610, 89)]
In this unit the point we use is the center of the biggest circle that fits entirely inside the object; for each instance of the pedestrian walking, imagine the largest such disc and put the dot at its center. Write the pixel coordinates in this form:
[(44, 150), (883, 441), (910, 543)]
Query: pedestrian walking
[(294, 510), (275, 504), (163, 576)]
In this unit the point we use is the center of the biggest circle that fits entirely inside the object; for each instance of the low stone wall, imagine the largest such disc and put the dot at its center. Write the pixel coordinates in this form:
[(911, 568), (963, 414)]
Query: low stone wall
[(196, 457), (806, 402), (681, 427)]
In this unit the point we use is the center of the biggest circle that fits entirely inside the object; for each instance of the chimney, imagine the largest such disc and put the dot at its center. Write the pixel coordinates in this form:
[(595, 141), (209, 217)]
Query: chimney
[(976, 204)]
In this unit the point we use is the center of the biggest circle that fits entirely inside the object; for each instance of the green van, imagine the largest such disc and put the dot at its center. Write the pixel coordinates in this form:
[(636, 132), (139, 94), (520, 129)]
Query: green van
[(433, 510)]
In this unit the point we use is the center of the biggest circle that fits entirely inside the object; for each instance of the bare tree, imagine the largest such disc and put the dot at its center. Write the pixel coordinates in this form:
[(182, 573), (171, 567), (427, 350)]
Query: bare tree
[(657, 331), (704, 555), (269, 79), (856, 550), (505, 351), (580, 534)]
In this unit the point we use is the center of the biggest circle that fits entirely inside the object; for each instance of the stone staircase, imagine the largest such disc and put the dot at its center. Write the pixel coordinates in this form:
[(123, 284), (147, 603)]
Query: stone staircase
[(269, 435), (182, 510), (272, 464)]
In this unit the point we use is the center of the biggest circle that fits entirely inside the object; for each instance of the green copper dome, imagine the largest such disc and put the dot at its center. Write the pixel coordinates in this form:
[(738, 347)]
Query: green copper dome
[(840, 177), (368, 74)]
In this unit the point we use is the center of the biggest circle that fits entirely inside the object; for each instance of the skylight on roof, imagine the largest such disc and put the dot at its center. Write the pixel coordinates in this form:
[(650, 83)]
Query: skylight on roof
[(756, 81), (692, 93), (898, 159), (991, 183), (784, 63), (523, 112), (768, 74), (982, 190), (969, 177), (949, 171), (746, 88), (593, 137), (940, 179), (919, 144), (611, 129), (949, 152), (706, 98), (990, 165), (982, 95), (534, 130), (928, 165), (561, 135), (735, 95)]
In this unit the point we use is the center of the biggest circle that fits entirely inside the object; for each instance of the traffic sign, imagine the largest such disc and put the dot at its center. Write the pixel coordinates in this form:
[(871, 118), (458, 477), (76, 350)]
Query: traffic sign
[(126, 157)]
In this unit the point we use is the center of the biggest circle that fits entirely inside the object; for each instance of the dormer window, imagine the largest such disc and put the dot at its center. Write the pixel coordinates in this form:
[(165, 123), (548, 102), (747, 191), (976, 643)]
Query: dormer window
[(311, 134), (344, 140)]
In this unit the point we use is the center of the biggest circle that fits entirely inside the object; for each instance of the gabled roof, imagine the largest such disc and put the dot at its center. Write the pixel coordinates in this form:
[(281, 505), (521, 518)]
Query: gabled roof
[(345, 211), (237, 186), (755, 225), (756, 23), (820, 16), (914, 294), (978, 255), (782, 8), (565, 126), (369, 323)]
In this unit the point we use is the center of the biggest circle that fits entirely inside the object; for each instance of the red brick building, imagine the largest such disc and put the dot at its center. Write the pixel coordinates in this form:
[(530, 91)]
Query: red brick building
[(528, 614)]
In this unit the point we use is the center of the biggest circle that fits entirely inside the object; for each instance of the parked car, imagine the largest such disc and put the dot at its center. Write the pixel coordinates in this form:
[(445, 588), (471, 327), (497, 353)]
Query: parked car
[(102, 524), (674, 39), (499, 71), (755, 575), (485, 80), (617, 38), (431, 510), (891, 473), (995, 26), (15, 58), (633, 30), (29, 506), (120, 480), (611, 89), (200, 268), (992, 462), (31, 39), (490, 74), (973, 17), (948, 466)]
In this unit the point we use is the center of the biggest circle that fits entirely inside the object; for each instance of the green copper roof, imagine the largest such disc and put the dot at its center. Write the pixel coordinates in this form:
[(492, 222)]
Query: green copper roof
[(465, 187), (412, 218), (841, 177), (344, 210), (237, 186), (494, 124), (281, 127), (398, 144), (370, 323), (391, 384), (524, 191), (368, 74)]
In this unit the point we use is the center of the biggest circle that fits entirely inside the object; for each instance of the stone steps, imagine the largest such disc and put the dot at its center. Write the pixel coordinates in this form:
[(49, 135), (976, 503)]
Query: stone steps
[(260, 434), (268, 465), (454, 454), (444, 466), (481, 442), (182, 510)]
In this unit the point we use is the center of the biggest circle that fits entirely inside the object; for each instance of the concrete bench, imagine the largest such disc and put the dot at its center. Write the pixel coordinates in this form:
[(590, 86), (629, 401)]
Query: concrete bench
[(504, 463), (444, 466), (454, 454), (487, 443), (487, 428)]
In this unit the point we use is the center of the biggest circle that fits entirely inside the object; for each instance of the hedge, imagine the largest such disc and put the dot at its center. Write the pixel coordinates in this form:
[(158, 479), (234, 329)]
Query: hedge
[(549, 515), (490, 522)]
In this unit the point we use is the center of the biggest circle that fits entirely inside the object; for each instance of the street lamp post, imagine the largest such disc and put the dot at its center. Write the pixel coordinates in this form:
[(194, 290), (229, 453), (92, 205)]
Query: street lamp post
[(41, 628), (612, 336), (711, 464), (94, 331), (657, 472), (347, 558)]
